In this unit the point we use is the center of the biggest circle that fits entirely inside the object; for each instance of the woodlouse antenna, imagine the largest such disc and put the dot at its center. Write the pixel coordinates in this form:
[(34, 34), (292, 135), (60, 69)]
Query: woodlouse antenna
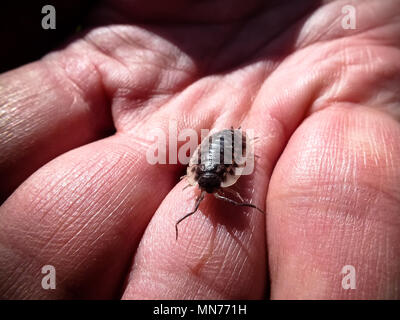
[(198, 200), (239, 204)]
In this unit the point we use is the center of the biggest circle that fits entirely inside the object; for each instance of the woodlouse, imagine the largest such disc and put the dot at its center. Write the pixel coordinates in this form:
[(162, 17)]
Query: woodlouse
[(217, 163)]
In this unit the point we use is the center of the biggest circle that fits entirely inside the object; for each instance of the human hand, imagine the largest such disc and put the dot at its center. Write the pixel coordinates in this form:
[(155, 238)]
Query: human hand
[(323, 100)]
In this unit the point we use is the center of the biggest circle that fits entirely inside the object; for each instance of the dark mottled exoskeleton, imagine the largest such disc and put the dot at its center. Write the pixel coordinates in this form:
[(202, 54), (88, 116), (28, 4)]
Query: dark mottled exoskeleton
[(217, 163)]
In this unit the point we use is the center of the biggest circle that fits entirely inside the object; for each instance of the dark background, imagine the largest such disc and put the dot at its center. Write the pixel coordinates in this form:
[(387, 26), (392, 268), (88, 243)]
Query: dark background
[(23, 38)]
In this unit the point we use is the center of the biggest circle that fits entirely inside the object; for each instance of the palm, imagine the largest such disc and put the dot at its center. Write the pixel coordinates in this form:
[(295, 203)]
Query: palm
[(105, 218)]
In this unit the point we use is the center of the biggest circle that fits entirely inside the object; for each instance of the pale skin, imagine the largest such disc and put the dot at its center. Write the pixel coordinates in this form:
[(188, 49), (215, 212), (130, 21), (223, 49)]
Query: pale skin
[(323, 100)]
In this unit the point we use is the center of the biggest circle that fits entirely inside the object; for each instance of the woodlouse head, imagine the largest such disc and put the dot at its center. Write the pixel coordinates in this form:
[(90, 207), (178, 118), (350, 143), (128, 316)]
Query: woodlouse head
[(210, 182)]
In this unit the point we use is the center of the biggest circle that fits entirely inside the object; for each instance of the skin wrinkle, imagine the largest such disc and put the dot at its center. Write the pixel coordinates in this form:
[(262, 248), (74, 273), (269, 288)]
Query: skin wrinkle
[(39, 204), (80, 187), (148, 113), (76, 89), (223, 263), (16, 275), (55, 233), (17, 122), (117, 196), (372, 262), (39, 209), (362, 29), (91, 40), (94, 217), (230, 245), (112, 212), (96, 240), (169, 60), (352, 161), (205, 252), (326, 101), (192, 240), (30, 126), (116, 94)]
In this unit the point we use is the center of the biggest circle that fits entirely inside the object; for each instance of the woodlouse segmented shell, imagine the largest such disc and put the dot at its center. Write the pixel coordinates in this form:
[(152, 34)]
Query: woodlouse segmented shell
[(226, 149)]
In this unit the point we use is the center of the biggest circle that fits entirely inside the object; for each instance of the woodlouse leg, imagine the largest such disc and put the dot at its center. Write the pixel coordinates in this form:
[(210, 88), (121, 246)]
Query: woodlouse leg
[(234, 192), (240, 204), (198, 200)]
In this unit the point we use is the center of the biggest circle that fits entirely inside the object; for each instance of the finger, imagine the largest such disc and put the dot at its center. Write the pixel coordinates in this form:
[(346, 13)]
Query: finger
[(220, 251), (333, 201), (44, 112), (85, 212), (82, 213)]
